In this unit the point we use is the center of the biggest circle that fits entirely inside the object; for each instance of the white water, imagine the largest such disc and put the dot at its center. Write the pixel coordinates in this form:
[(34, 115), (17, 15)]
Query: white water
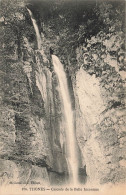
[(36, 29), (71, 154), (40, 76)]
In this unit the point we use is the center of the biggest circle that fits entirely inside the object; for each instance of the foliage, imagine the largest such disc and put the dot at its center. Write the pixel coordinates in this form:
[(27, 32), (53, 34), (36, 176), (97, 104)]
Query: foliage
[(74, 22)]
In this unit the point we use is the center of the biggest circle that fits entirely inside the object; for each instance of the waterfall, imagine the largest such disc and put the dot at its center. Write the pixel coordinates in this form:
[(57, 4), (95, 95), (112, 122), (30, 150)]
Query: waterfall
[(40, 74), (36, 29), (71, 153)]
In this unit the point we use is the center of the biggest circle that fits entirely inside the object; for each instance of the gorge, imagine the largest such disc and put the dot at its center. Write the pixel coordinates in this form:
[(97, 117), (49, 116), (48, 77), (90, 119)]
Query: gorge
[(62, 112)]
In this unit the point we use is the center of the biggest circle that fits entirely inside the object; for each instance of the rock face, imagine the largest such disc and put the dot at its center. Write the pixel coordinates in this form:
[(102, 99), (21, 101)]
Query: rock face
[(24, 138), (99, 97), (98, 132), (30, 107), (32, 129)]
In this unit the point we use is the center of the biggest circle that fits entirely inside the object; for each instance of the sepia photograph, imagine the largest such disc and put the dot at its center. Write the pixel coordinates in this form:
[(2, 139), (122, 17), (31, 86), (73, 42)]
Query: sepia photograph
[(62, 97)]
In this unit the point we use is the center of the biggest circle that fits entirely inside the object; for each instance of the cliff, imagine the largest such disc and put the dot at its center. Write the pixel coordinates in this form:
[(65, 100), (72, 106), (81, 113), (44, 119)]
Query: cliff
[(32, 130), (100, 105)]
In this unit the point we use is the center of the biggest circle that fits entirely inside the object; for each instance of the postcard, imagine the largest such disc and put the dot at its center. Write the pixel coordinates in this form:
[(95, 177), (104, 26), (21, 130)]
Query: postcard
[(62, 99)]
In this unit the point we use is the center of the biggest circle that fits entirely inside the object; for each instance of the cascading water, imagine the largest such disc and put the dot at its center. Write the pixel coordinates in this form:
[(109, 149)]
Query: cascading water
[(36, 29), (40, 76), (71, 153)]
